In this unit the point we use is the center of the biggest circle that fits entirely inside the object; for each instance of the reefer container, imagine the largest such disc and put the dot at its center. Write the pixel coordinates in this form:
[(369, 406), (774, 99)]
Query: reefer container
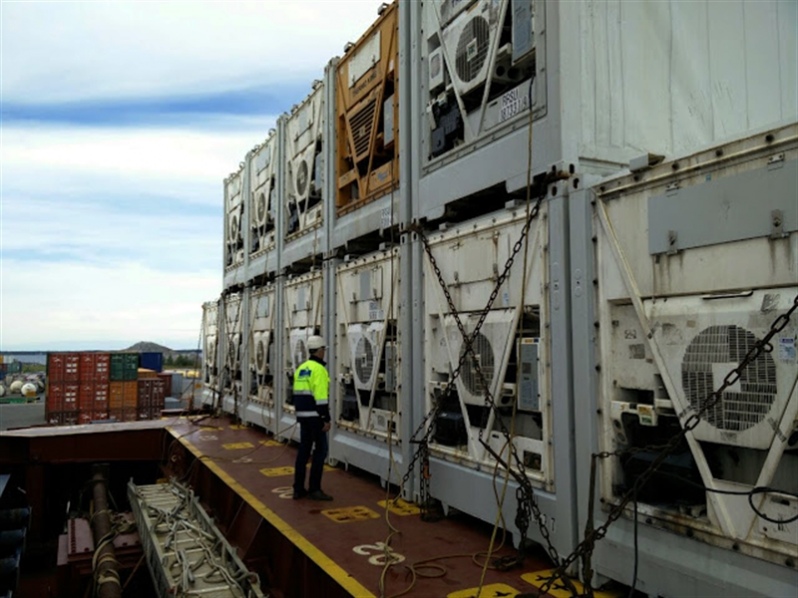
[(262, 308), (367, 155), (234, 219), (694, 263), (263, 198), (606, 81), (367, 377)]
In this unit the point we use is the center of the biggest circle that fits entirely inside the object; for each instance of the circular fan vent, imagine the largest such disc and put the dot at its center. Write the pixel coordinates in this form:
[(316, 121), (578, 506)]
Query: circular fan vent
[(435, 65), (211, 350), (484, 354), (302, 178), (234, 227), (260, 355), (300, 354), (260, 209), (364, 360), (472, 49), (711, 355)]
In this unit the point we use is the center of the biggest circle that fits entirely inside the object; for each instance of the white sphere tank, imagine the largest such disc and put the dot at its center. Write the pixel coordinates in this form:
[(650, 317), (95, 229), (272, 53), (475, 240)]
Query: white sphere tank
[(15, 387), (29, 390)]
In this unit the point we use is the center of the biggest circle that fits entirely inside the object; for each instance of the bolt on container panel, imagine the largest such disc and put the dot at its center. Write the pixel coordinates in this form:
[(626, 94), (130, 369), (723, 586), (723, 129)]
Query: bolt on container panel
[(367, 156), (677, 312)]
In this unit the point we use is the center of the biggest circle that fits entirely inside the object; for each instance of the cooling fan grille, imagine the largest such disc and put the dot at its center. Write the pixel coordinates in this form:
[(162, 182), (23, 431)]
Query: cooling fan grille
[(364, 360), (714, 353), (472, 49), (484, 357)]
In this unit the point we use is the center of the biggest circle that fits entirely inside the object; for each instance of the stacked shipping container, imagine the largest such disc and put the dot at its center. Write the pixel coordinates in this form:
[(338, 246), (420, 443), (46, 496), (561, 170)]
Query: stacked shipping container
[(86, 386)]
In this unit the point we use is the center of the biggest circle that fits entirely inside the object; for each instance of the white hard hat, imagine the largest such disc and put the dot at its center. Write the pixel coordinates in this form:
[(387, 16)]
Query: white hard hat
[(316, 342)]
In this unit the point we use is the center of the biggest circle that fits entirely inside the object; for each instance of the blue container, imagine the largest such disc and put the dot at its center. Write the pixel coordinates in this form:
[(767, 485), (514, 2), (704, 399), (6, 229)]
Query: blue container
[(151, 361)]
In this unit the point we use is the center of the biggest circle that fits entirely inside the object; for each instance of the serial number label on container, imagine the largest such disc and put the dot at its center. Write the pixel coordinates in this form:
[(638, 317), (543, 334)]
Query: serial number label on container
[(513, 102)]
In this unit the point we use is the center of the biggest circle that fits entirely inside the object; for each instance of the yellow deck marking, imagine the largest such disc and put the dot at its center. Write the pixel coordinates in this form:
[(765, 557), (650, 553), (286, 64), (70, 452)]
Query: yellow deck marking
[(234, 446), (273, 472), (344, 579), (494, 590), (558, 590), (350, 514), (400, 507), (238, 427), (209, 428), (271, 443)]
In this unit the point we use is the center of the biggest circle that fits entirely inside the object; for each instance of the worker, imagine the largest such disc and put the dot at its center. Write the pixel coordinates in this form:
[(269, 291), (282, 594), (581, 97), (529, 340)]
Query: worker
[(311, 401)]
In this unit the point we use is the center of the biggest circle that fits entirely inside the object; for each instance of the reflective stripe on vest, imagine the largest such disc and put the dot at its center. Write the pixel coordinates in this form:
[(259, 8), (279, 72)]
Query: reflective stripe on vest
[(311, 388)]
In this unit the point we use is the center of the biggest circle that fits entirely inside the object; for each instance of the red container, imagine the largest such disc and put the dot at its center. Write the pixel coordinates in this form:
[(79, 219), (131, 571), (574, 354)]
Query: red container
[(93, 401), (167, 384), (124, 414), (63, 367), (62, 396), (63, 418), (95, 367)]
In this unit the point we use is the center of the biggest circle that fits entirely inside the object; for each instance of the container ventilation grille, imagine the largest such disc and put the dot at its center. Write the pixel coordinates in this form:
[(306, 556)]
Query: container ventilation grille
[(714, 353), (362, 124), (472, 49), (364, 360), (484, 357), (260, 355), (302, 178), (300, 353)]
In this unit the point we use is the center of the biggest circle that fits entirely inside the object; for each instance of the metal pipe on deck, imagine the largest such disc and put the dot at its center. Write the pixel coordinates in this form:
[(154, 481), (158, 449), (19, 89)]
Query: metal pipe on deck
[(106, 576)]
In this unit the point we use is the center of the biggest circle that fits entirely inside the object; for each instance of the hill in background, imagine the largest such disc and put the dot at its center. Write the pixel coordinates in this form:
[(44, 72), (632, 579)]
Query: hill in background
[(179, 356)]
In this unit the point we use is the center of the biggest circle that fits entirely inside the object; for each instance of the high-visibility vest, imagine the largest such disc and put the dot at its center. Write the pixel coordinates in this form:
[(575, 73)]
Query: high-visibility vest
[(311, 389)]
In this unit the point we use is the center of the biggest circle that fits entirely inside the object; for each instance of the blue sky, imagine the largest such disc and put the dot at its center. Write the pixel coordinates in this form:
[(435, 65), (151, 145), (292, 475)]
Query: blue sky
[(120, 121)]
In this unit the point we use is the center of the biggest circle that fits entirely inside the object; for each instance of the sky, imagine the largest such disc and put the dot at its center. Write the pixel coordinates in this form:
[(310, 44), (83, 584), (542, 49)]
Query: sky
[(120, 121)]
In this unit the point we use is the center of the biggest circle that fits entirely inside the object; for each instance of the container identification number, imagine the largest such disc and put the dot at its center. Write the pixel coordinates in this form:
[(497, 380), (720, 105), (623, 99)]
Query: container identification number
[(513, 102)]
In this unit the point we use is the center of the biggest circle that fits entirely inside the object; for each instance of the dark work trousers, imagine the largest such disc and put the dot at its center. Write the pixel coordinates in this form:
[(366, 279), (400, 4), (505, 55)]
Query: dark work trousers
[(310, 435)]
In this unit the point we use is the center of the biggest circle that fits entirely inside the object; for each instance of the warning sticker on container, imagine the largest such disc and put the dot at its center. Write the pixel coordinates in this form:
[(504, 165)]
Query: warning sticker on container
[(375, 311), (787, 351)]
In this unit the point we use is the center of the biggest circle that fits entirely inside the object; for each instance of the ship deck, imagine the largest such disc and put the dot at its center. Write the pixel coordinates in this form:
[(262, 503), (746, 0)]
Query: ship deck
[(364, 542)]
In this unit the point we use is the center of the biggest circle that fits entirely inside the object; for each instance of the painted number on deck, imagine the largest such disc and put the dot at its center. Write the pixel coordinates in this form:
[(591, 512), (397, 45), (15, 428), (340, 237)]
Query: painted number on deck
[(379, 553), (232, 446)]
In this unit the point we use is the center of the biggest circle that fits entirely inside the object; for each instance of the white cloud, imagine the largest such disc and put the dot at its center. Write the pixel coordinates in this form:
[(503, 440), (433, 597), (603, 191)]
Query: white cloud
[(57, 51), (143, 156), (44, 303)]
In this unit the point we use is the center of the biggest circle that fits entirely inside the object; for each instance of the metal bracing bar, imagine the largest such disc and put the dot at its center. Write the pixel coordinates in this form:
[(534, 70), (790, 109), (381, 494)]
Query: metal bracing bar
[(634, 293)]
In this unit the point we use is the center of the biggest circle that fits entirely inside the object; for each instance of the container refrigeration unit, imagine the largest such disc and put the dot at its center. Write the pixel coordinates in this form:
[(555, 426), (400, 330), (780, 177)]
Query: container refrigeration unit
[(303, 309), (367, 156), (367, 377), (695, 260), (260, 409), (263, 162)]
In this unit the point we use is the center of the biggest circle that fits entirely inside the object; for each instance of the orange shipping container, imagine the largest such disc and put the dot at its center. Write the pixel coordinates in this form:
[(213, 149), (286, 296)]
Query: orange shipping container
[(367, 153), (122, 394)]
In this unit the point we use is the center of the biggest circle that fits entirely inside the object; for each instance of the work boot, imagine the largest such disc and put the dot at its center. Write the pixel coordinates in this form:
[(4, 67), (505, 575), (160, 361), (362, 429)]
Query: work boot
[(300, 494), (319, 495)]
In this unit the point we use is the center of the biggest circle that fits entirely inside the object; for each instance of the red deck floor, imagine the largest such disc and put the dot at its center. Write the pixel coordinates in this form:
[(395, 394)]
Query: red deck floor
[(347, 537)]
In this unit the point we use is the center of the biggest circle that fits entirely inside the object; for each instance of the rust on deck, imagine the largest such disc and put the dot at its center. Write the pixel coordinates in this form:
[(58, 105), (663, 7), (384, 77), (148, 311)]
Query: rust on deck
[(363, 543)]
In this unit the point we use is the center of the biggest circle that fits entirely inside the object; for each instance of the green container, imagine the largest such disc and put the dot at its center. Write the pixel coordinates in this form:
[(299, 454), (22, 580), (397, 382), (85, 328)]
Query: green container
[(124, 367)]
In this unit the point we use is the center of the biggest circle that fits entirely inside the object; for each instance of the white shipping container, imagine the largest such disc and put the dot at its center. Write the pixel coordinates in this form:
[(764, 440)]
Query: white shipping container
[(695, 260)]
